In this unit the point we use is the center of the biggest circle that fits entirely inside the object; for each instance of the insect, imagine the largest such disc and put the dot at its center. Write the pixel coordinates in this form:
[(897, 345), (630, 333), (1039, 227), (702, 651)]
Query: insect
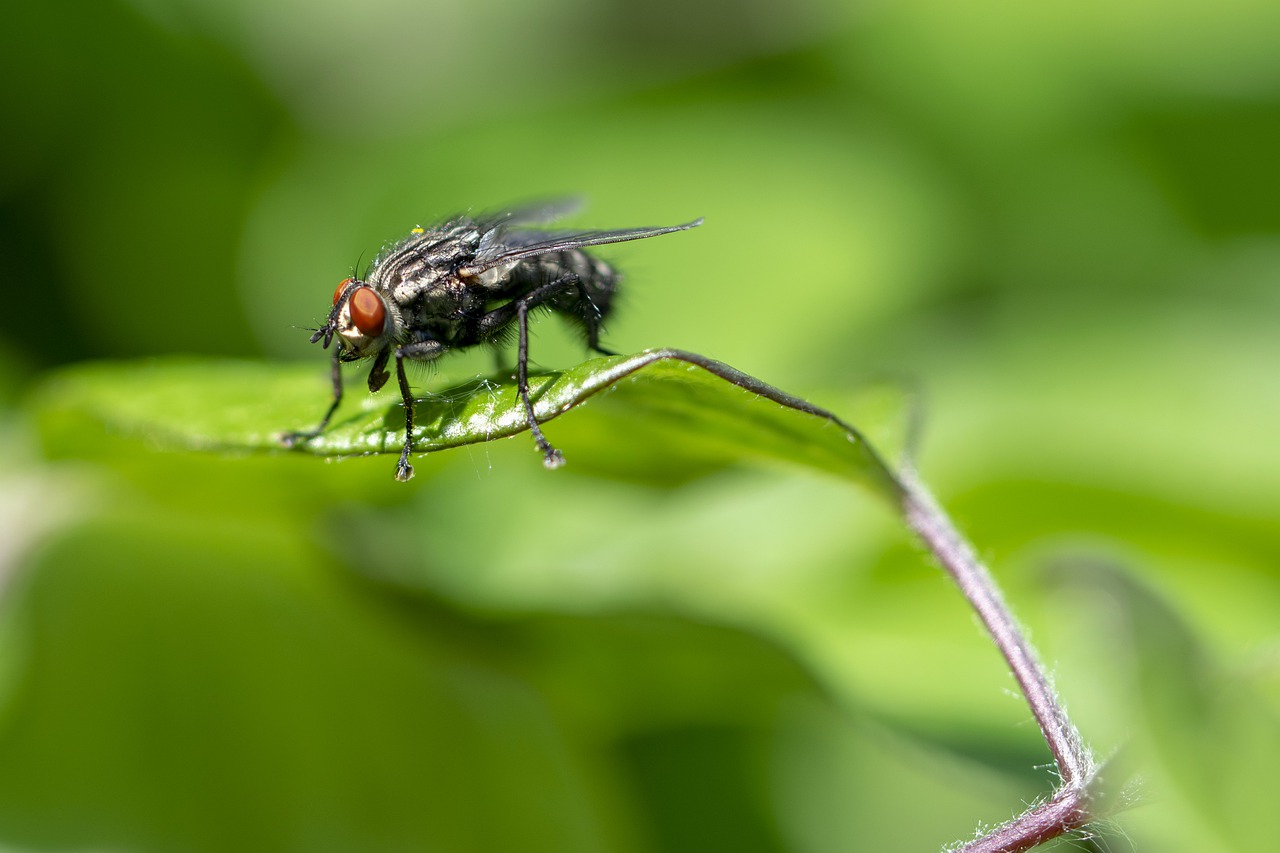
[(465, 282)]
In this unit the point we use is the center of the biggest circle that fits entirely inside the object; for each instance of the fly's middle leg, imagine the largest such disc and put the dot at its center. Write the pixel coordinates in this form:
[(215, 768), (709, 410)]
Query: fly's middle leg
[(421, 351)]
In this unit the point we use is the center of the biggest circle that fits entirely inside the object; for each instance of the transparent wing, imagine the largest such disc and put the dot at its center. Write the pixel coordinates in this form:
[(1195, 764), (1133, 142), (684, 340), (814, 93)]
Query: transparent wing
[(497, 253), (536, 213)]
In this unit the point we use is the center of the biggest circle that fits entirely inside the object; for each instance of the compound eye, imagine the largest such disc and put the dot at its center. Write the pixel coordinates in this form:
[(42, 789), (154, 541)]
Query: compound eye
[(367, 311), (342, 285)]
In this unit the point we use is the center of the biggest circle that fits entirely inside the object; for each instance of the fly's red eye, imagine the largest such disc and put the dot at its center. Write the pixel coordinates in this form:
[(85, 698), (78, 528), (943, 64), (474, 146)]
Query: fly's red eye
[(367, 311), (342, 285)]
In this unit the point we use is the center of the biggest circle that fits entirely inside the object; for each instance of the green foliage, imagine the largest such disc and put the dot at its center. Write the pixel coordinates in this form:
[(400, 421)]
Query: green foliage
[(1055, 218), (703, 418)]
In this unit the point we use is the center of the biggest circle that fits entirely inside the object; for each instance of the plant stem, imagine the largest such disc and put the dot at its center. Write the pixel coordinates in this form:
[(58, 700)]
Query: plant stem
[(1067, 810), (931, 524), (1070, 806)]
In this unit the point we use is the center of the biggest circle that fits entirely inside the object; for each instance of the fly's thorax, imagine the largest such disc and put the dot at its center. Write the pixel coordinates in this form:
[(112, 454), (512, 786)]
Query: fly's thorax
[(409, 287), (443, 311), (424, 261)]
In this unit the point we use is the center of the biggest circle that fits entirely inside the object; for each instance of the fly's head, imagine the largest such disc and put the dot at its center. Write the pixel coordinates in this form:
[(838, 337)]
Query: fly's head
[(362, 320)]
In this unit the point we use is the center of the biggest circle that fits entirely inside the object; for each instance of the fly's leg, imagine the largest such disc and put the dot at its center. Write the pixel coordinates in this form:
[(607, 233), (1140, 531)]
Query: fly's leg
[(551, 457), (593, 339), (293, 439), (518, 310), (592, 324), (404, 471), (499, 317), (423, 351), (378, 375), (592, 319)]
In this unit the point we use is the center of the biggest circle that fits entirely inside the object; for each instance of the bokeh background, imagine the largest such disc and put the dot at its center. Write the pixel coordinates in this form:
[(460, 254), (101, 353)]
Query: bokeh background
[(1058, 220)]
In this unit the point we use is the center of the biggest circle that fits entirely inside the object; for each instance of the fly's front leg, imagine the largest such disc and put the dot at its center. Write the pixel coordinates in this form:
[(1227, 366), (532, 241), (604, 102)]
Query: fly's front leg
[(423, 351), (292, 439), (378, 375)]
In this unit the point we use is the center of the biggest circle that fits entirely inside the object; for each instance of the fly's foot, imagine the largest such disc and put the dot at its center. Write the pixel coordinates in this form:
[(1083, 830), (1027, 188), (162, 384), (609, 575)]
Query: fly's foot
[(293, 439), (404, 471), (551, 458)]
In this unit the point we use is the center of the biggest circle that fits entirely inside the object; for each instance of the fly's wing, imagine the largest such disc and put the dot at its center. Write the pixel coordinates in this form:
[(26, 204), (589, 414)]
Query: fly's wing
[(495, 227), (495, 253), (537, 213)]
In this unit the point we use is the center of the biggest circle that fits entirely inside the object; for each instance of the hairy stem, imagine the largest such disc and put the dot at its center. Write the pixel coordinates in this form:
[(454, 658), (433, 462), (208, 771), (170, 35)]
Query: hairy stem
[(931, 524), (1069, 807), (1067, 810)]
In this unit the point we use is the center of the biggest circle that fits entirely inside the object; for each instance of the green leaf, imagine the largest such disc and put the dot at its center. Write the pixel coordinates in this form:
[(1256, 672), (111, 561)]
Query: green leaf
[(669, 404)]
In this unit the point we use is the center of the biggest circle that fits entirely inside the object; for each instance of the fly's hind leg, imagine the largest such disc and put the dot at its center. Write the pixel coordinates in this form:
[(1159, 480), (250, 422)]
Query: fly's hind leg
[(592, 321), (551, 457), (593, 340), (518, 310), (591, 310)]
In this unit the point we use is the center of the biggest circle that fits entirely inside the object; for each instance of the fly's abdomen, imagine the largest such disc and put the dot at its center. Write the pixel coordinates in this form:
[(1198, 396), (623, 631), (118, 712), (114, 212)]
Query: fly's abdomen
[(597, 284), (587, 287), (594, 283)]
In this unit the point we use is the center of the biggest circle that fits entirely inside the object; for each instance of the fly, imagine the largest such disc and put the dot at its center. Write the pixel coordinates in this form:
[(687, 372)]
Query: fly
[(465, 282)]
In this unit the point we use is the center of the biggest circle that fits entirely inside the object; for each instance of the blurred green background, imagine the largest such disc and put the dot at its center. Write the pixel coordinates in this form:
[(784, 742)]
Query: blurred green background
[(1059, 219)]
